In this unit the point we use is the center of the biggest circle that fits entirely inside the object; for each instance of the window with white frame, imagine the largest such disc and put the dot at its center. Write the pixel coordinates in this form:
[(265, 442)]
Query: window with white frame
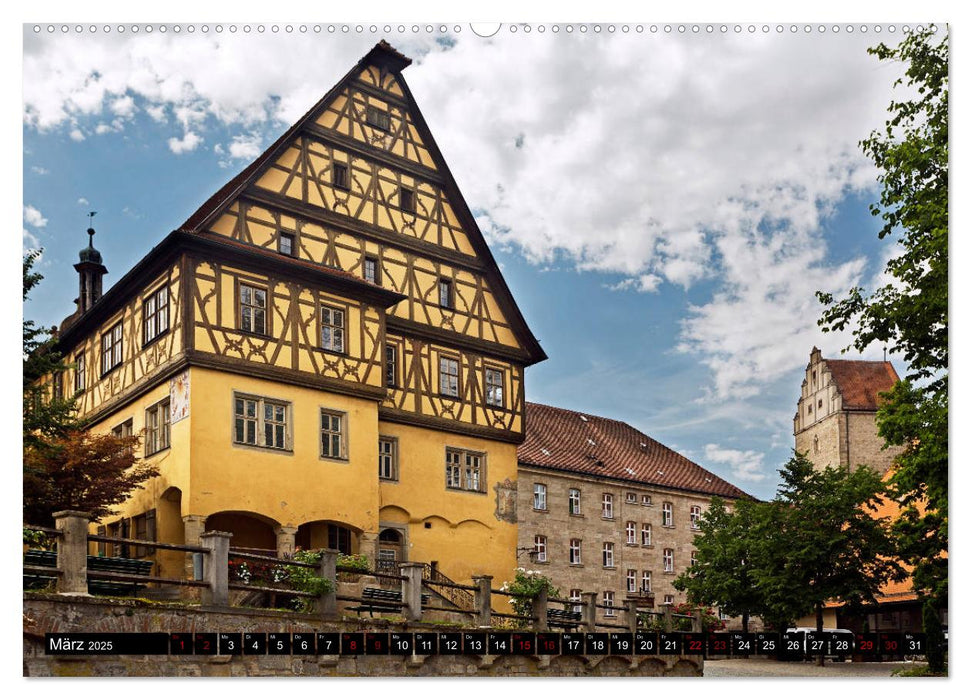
[(669, 599), (608, 553), (539, 496), (668, 559), (645, 500), (464, 470), (631, 497), (155, 314), (157, 421), (260, 422), (695, 517), (332, 328), (609, 604), (631, 531), (494, 387), (607, 510), (645, 582), (646, 534), (539, 547), (694, 558), (285, 244), (388, 458), (575, 552), (252, 309), (576, 597), (371, 270), (574, 501), (667, 514), (632, 580), (111, 352), (333, 434), (448, 376)]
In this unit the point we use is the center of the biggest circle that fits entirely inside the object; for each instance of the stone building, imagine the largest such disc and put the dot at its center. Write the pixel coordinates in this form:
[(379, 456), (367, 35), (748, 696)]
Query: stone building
[(835, 421), (604, 508)]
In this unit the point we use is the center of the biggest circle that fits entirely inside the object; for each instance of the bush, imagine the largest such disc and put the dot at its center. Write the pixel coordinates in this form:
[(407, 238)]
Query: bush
[(356, 562), (524, 588)]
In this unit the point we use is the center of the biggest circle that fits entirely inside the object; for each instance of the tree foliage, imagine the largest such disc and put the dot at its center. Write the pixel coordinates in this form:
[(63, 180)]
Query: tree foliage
[(81, 471), (910, 314)]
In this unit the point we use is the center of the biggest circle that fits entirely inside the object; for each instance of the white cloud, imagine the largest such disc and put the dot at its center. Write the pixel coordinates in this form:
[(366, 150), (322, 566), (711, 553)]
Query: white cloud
[(123, 106), (39, 170), (33, 217), (157, 113), (30, 242), (243, 147), (83, 202), (186, 144), (746, 465), (76, 134)]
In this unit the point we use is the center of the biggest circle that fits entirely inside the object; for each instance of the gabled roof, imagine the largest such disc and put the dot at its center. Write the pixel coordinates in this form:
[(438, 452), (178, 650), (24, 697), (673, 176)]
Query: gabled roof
[(561, 439), (384, 55), (860, 382)]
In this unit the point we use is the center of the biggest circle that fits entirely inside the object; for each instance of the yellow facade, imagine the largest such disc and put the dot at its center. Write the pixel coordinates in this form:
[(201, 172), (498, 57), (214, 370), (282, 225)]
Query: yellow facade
[(342, 364)]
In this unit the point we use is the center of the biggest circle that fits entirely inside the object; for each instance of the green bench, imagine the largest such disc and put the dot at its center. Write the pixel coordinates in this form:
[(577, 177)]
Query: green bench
[(96, 586), (381, 600), (567, 619)]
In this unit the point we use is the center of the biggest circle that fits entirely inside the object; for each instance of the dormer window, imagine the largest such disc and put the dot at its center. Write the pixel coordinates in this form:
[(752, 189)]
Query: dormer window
[(378, 118)]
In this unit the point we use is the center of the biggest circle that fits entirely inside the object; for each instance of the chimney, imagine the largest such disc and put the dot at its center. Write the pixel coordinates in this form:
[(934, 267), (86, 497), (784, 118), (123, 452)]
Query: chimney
[(90, 271)]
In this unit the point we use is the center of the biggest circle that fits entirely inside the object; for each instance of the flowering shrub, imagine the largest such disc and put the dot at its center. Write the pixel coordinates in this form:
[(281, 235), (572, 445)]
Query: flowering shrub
[(357, 562), (524, 588), (710, 622), (256, 572)]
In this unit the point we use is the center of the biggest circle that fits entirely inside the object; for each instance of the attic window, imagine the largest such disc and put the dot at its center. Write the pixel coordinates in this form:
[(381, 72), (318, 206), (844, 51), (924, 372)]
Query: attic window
[(583, 418), (660, 472), (589, 440), (820, 404), (378, 118), (643, 444), (544, 451), (340, 176), (406, 199), (708, 479)]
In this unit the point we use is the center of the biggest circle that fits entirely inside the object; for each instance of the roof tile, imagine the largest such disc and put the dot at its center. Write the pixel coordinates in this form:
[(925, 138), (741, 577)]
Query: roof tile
[(860, 382)]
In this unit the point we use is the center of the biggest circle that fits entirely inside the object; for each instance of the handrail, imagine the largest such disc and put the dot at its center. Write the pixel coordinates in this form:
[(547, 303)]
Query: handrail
[(44, 528), (135, 578), (268, 589), (458, 586), (148, 543), (273, 560)]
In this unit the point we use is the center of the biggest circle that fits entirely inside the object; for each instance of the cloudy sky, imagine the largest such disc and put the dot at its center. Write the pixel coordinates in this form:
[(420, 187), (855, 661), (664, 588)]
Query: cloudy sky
[(663, 204)]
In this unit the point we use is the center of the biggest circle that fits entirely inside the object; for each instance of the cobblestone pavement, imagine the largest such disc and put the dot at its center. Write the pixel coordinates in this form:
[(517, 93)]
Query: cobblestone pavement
[(767, 668)]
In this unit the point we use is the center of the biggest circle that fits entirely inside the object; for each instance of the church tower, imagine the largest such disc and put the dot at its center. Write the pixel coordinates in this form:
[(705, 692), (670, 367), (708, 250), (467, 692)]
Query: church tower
[(90, 273)]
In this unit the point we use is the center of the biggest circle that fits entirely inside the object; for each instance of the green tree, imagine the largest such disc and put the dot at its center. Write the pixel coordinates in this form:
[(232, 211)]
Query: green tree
[(722, 575), (910, 314), (818, 541)]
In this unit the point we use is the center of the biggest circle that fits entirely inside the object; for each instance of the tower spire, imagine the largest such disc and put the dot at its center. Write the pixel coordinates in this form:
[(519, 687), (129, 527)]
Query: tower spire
[(90, 271)]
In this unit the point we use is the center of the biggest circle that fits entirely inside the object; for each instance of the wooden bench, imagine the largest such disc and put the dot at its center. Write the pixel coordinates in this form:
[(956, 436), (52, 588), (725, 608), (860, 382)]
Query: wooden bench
[(568, 619), (382, 600), (96, 586)]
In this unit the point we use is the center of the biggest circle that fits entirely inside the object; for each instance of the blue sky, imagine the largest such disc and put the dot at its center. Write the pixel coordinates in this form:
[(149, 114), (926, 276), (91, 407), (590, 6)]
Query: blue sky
[(662, 205)]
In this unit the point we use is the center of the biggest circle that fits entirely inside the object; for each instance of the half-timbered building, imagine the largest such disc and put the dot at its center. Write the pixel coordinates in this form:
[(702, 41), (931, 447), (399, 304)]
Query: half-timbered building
[(324, 354)]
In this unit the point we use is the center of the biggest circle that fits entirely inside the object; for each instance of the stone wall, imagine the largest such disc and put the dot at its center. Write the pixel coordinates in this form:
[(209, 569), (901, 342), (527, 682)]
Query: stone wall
[(52, 613)]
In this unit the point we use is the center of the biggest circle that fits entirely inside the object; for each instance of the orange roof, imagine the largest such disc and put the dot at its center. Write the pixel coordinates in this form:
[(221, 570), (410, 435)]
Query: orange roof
[(558, 438), (860, 382)]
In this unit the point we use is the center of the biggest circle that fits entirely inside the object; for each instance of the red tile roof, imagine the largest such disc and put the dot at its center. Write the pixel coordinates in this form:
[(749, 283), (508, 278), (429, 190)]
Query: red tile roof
[(578, 442), (860, 382)]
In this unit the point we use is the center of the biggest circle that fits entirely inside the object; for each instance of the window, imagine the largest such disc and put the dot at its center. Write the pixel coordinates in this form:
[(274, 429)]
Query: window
[(388, 459), (539, 497), (668, 560), (669, 599), (339, 176), (494, 381), (390, 365), (575, 596), (143, 527), (252, 309), (609, 604), (464, 470), (124, 430), (645, 500), (448, 376), (57, 385), (332, 435), (608, 553), (332, 329), (155, 314), (111, 349), (371, 270), (632, 580), (631, 530), (608, 506), (646, 534), (694, 558), (285, 244), (695, 517), (378, 118), (445, 293), (539, 546), (260, 422), (80, 369), (631, 497), (406, 199), (667, 515), (157, 427), (575, 552), (574, 501), (645, 582)]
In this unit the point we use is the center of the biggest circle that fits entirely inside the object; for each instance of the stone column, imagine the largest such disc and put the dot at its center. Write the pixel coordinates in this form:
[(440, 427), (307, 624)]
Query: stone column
[(588, 613), (631, 604), (327, 603), (194, 525), (72, 551), (539, 605), (369, 547), (668, 620), (215, 568), (411, 590), (285, 541), (483, 600), (696, 621)]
